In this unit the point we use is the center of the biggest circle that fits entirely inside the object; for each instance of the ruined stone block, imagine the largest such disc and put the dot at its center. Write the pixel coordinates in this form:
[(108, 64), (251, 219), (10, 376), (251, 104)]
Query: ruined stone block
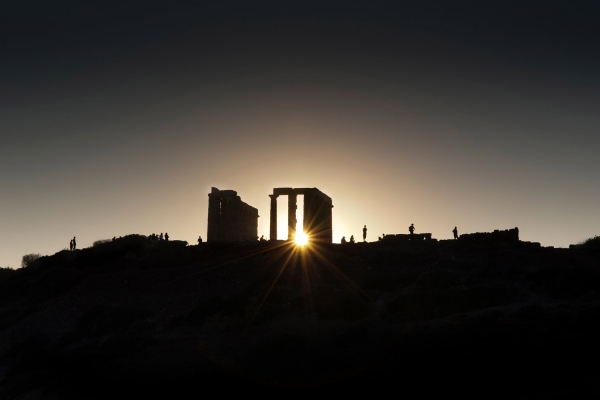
[(229, 218)]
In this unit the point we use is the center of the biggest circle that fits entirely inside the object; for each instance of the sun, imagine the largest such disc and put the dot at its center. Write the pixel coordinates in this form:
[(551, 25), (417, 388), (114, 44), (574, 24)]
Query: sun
[(301, 238)]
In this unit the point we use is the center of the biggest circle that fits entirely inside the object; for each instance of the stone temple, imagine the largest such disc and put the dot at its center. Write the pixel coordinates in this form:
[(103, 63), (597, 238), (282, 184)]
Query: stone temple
[(317, 222), (229, 218)]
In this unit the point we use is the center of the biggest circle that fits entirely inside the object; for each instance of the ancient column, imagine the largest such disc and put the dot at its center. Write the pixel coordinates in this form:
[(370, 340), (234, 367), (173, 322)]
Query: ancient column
[(328, 234), (309, 218), (214, 218), (273, 221), (292, 206)]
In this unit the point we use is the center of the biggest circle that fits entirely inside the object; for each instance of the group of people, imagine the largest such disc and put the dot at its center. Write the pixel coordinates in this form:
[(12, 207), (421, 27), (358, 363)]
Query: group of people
[(411, 230), (344, 241), (160, 237)]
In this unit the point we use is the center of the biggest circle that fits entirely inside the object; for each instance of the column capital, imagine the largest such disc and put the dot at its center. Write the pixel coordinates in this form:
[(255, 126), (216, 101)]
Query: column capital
[(273, 196)]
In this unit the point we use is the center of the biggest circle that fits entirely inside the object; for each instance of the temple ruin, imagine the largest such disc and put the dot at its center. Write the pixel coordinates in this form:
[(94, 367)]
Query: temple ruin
[(317, 222), (229, 218)]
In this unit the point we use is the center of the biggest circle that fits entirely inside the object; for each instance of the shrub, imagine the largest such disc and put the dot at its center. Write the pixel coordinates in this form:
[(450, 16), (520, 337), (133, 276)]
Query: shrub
[(591, 244), (101, 241), (29, 258)]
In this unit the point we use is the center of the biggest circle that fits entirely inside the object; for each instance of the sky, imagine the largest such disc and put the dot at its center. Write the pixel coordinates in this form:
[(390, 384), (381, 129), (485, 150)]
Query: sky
[(119, 117)]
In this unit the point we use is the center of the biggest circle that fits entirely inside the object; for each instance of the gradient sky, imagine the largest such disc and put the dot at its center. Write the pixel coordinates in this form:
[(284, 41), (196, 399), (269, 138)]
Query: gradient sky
[(118, 117)]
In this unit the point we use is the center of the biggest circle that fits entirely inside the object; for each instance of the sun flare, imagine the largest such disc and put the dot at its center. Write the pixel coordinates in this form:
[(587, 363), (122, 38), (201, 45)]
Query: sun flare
[(301, 238)]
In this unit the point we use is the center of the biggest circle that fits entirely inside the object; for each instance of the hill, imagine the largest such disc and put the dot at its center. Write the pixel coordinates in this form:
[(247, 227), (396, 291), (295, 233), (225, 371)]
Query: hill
[(154, 319)]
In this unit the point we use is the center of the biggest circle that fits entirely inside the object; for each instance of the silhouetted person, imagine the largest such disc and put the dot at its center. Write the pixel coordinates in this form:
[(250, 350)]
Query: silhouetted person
[(455, 231), (167, 236), (344, 240), (262, 238), (160, 237), (199, 239), (71, 245), (411, 229), (114, 238), (365, 234), (352, 239), (74, 243)]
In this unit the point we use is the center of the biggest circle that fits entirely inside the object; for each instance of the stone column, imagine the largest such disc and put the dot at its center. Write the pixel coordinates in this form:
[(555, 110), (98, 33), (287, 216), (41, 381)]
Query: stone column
[(309, 218), (213, 233), (292, 206), (236, 221), (273, 221), (328, 235)]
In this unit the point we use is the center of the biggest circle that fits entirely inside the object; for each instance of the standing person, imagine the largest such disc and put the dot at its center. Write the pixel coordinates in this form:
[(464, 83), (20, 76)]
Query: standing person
[(455, 231), (160, 237), (167, 236), (352, 239), (71, 245), (74, 243), (411, 229), (365, 234), (199, 240)]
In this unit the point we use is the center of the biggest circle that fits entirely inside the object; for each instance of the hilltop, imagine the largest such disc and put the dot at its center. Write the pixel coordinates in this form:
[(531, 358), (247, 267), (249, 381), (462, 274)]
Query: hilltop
[(149, 318)]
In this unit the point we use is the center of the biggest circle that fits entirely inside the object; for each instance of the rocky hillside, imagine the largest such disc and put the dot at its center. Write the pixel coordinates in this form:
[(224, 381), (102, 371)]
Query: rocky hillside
[(156, 319)]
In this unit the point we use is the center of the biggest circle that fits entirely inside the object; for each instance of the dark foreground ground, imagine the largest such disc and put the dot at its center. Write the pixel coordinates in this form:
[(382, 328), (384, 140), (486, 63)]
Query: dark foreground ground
[(155, 320)]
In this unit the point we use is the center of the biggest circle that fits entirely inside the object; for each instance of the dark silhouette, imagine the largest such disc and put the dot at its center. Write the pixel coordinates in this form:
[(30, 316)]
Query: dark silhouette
[(161, 237), (115, 238), (352, 239), (28, 259), (262, 238), (507, 236), (74, 243), (365, 234), (411, 229), (455, 231), (167, 236), (317, 213), (495, 320), (229, 218), (199, 239), (344, 240), (71, 245)]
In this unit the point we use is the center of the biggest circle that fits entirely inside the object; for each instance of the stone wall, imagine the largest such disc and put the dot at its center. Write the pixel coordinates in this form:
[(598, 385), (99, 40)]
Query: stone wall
[(507, 236), (402, 237)]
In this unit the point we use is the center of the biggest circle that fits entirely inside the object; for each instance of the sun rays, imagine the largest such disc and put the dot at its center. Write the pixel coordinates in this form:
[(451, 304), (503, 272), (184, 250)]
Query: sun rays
[(306, 270), (301, 239)]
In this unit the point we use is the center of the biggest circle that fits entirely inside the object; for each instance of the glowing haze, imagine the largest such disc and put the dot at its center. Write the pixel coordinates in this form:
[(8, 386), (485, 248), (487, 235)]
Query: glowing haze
[(119, 118)]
